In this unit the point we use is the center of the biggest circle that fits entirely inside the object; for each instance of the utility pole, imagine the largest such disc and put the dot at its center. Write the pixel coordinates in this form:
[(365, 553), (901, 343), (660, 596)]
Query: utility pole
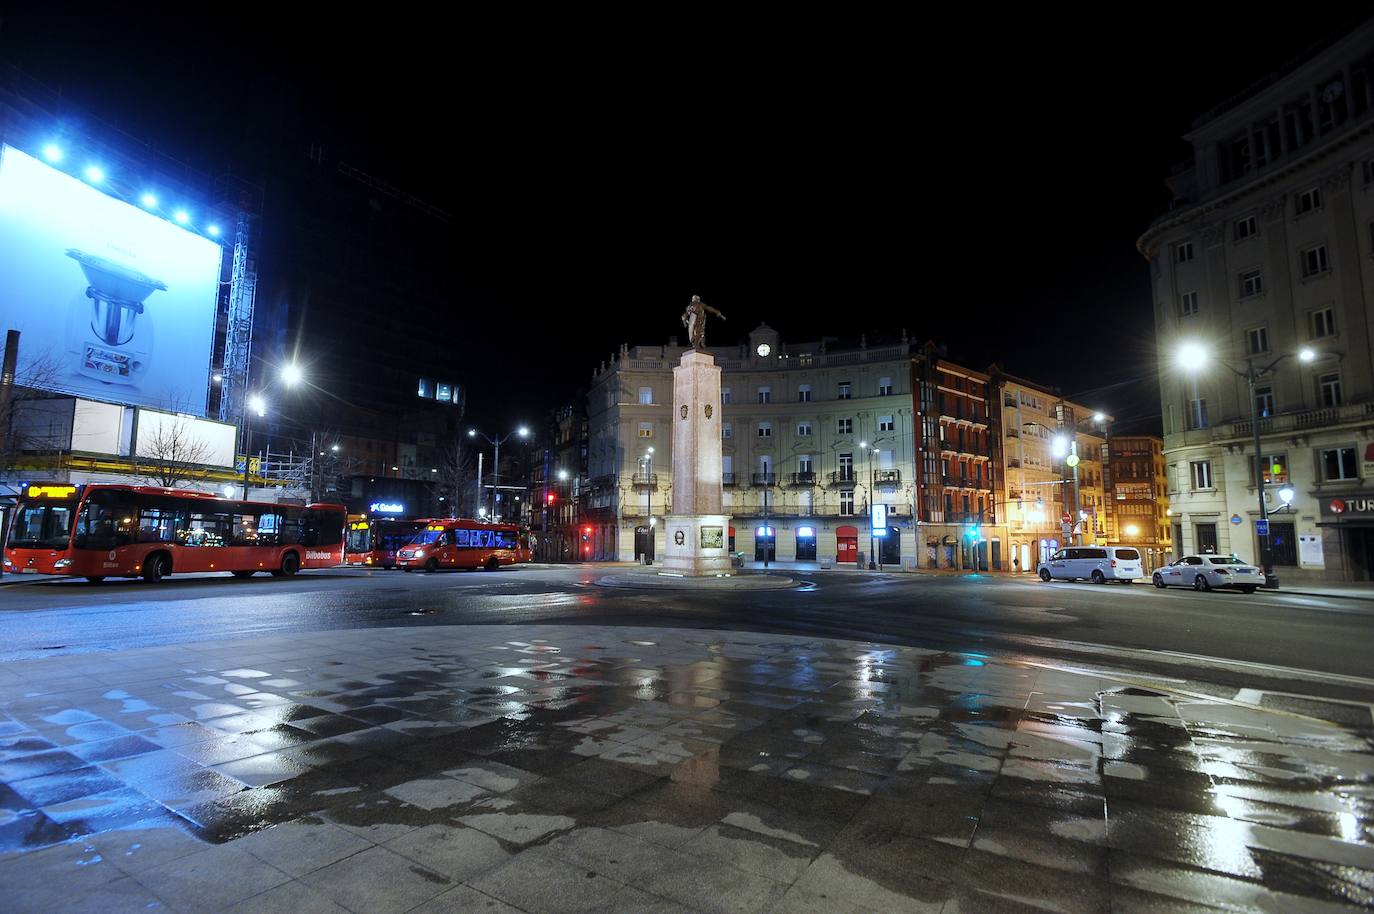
[(479, 483)]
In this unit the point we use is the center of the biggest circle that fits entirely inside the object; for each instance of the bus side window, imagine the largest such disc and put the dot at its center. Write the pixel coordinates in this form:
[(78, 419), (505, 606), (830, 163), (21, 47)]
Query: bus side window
[(269, 529), (460, 537)]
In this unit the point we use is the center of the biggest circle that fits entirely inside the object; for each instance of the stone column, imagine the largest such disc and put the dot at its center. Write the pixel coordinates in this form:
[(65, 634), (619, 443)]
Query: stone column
[(696, 532)]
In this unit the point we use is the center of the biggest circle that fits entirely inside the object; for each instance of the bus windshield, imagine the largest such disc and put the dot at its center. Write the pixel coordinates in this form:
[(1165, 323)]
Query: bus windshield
[(42, 527), (427, 537)]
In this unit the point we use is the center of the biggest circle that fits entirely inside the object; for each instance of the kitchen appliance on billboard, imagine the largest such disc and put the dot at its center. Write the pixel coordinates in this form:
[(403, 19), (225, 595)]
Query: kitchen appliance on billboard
[(115, 302)]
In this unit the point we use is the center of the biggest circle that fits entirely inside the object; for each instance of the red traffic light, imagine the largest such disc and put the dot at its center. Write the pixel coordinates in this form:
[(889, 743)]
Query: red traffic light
[(550, 498)]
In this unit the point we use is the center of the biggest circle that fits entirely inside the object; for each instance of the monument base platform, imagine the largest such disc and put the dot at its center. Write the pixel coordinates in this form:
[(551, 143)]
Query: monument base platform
[(697, 544)]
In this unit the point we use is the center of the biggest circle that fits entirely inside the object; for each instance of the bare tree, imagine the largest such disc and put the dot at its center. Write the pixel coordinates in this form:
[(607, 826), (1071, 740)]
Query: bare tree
[(35, 378), (458, 478), (174, 454)]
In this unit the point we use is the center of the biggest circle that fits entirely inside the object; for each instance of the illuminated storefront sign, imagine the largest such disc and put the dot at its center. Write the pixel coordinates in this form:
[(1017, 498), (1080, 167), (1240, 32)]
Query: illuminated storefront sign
[(388, 507)]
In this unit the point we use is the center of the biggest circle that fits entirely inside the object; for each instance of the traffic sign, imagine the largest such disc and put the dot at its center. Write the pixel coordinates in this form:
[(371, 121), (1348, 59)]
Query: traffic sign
[(1262, 527)]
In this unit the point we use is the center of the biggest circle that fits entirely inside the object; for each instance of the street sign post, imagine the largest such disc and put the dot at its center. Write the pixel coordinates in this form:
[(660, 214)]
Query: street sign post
[(1262, 526)]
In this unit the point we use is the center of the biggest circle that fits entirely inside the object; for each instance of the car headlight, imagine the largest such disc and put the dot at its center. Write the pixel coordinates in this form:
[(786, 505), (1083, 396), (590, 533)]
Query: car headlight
[(419, 553), (61, 563)]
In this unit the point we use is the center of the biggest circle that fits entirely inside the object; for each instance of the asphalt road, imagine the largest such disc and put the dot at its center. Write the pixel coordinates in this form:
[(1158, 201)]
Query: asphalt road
[(1174, 632)]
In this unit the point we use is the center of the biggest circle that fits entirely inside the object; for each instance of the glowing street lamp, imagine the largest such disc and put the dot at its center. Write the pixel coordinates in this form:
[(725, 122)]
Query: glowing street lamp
[(1192, 357), (292, 374), (496, 443), (53, 153)]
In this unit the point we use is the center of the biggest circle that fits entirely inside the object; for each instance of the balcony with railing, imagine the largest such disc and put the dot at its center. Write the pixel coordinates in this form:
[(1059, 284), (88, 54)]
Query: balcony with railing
[(645, 480), (727, 479), (1307, 419), (764, 479), (888, 479), (802, 479), (843, 477), (602, 483)]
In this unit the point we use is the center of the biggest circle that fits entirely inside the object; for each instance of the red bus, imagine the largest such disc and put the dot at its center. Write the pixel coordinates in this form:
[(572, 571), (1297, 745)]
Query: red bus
[(100, 531), (464, 543), (375, 541)]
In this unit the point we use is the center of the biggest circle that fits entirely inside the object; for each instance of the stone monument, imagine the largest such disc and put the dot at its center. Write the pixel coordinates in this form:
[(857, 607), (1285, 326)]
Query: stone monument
[(697, 532)]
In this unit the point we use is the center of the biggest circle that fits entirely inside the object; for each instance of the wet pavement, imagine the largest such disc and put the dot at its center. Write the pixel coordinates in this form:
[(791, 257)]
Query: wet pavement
[(558, 767)]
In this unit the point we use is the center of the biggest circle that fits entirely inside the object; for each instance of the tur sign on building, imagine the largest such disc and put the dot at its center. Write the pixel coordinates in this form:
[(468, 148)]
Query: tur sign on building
[(878, 521)]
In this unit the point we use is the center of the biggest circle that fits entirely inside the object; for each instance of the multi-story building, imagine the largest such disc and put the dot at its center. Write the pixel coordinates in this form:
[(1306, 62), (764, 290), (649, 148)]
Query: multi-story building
[(958, 466), (1138, 498), (1264, 253), (812, 434), (1040, 430)]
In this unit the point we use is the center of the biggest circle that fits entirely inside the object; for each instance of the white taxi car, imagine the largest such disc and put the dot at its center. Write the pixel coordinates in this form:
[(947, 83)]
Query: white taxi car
[(1210, 572)]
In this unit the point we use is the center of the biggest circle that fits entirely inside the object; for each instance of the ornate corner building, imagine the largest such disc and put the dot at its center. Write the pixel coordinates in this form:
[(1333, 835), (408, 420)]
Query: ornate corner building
[(1266, 252)]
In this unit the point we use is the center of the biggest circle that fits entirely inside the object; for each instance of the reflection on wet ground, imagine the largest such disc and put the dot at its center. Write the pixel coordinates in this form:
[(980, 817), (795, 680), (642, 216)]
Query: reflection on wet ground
[(547, 768)]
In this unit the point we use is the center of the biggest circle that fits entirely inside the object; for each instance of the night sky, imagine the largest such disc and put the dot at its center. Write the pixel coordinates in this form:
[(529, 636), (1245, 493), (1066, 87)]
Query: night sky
[(980, 182)]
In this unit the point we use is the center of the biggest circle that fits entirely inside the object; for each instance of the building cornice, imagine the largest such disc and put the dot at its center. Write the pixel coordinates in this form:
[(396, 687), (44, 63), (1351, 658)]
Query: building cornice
[(1212, 208)]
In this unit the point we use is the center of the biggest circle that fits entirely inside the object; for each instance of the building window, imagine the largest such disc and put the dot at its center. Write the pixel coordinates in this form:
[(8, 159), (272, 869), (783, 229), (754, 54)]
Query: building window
[(646, 395), (1183, 252), (1321, 323), (1309, 200), (844, 426), (845, 390), (805, 359), (846, 501), (1264, 401), (1187, 303), (1206, 535), (1329, 389), (846, 466), (1244, 228), (646, 430), (804, 393), (765, 430), (1275, 470), (1202, 474), (1197, 413), (727, 430), (884, 387), (426, 389), (1257, 340), (803, 429), (725, 395), (1314, 261), (1338, 464), (804, 464), (885, 424), (1251, 283), (765, 395)]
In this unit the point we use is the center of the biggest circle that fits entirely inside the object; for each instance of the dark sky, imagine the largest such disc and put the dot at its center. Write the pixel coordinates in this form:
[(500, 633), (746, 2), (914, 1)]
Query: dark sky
[(979, 181)]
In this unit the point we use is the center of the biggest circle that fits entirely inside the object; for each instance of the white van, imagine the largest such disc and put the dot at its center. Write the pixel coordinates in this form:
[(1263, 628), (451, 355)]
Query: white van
[(1098, 564)]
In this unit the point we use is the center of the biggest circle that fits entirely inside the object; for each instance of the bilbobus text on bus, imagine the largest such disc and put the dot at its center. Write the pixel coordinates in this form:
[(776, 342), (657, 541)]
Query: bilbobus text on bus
[(375, 541), (462, 543), (115, 531)]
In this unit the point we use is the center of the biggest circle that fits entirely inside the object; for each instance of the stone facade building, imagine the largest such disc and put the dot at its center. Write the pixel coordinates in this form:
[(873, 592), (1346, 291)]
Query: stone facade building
[(1264, 253), (1138, 498), (812, 434)]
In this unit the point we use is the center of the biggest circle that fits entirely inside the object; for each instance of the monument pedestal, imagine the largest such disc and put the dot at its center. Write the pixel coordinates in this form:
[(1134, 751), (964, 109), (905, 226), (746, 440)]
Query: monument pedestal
[(703, 550), (697, 532)]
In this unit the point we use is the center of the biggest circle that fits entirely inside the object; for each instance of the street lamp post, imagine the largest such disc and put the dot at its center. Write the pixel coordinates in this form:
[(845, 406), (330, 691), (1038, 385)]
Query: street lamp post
[(291, 375), (1192, 357), (496, 443)]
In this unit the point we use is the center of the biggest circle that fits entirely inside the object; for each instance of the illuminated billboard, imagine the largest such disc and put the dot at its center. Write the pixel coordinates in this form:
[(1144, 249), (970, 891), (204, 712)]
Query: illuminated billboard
[(112, 302)]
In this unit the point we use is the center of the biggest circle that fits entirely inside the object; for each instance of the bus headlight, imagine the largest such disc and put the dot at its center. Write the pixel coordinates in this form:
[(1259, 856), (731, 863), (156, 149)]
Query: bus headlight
[(61, 563)]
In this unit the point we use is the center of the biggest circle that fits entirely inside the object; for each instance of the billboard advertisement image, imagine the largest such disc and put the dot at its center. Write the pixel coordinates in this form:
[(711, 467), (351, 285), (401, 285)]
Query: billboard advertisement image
[(113, 303)]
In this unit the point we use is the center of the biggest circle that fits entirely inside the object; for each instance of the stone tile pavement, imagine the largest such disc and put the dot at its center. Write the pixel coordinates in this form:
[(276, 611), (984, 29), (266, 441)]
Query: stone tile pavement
[(565, 768)]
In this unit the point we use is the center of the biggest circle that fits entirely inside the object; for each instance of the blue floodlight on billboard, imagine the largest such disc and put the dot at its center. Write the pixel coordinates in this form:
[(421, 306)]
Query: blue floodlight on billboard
[(120, 302)]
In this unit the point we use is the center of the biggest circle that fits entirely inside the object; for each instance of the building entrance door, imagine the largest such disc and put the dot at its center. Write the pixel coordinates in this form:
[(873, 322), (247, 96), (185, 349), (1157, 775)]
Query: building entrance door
[(806, 544), (644, 545), (847, 544), (890, 547), (765, 544)]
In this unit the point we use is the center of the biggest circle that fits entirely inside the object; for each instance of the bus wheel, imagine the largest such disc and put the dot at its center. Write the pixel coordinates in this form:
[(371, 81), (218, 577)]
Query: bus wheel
[(290, 564), (243, 574), (95, 578), (492, 564), (156, 567), (431, 565)]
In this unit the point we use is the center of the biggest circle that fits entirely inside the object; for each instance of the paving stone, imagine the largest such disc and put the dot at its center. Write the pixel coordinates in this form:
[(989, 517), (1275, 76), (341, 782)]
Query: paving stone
[(377, 880), (713, 888), (301, 847), (462, 899), (292, 897), (538, 882), (455, 851), (222, 873)]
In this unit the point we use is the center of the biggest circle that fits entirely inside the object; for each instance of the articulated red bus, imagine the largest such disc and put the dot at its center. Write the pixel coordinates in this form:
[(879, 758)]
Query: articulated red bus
[(375, 541), (100, 531), (464, 543)]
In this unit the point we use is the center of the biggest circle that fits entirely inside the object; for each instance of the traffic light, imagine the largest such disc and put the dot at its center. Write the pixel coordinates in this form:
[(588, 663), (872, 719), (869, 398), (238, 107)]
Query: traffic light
[(549, 498)]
